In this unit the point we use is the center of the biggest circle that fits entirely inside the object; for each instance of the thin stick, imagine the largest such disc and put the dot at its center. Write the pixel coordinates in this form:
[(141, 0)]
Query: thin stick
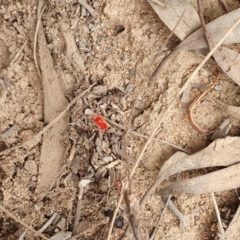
[(23, 235), (130, 210), (55, 120), (3, 209), (156, 71), (48, 223), (225, 5), (159, 3), (19, 52), (145, 136), (35, 40), (79, 206), (88, 7), (161, 215), (218, 217)]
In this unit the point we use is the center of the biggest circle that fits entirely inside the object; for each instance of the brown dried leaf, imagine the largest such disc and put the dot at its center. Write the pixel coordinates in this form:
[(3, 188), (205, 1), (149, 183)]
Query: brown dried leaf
[(231, 110), (220, 153)]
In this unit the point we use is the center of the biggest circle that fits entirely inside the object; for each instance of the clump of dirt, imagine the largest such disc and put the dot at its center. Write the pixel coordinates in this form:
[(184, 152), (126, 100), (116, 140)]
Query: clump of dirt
[(76, 171)]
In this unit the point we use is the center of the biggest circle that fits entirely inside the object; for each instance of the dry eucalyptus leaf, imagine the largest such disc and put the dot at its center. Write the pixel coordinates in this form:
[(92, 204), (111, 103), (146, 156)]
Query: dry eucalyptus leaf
[(231, 110), (221, 180), (171, 13), (226, 58), (216, 29), (229, 61), (220, 153)]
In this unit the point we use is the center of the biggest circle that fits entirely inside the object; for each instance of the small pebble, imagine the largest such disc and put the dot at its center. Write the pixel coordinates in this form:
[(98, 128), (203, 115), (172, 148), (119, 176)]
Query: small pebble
[(218, 88), (11, 131), (38, 206)]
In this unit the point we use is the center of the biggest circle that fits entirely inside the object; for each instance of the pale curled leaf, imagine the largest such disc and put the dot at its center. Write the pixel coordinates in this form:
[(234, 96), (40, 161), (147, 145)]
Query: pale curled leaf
[(221, 180), (226, 58), (216, 29), (222, 152), (171, 13), (231, 110), (229, 61)]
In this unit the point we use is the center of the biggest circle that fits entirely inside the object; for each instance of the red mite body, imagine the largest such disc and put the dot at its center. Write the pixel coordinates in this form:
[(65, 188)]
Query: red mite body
[(100, 122)]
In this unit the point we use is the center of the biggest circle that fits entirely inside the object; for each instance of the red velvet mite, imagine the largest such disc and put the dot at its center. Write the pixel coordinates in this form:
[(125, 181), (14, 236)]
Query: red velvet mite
[(100, 122)]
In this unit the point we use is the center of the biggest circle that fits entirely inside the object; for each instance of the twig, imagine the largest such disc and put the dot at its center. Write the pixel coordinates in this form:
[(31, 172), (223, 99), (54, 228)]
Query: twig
[(88, 7), (144, 136), (23, 235), (225, 5), (159, 3), (192, 122), (55, 120), (35, 36), (48, 223), (18, 53), (3, 209), (162, 118), (220, 227), (79, 206), (159, 67), (161, 215), (132, 216)]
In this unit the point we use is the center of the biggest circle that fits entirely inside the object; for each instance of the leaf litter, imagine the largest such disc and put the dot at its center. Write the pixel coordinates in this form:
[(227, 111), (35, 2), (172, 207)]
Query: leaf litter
[(101, 141)]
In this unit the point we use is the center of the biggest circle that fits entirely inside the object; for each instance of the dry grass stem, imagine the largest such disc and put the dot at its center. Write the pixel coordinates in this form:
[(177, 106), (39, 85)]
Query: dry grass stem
[(132, 216), (88, 7), (48, 223), (35, 36), (11, 215), (162, 213), (220, 227), (18, 53), (79, 206)]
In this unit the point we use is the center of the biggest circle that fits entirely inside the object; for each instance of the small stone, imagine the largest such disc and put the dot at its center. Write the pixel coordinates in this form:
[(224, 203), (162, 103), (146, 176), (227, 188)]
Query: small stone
[(96, 4), (107, 159), (11, 131), (38, 206), (26, 134), (31, 167), (218, 88)]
